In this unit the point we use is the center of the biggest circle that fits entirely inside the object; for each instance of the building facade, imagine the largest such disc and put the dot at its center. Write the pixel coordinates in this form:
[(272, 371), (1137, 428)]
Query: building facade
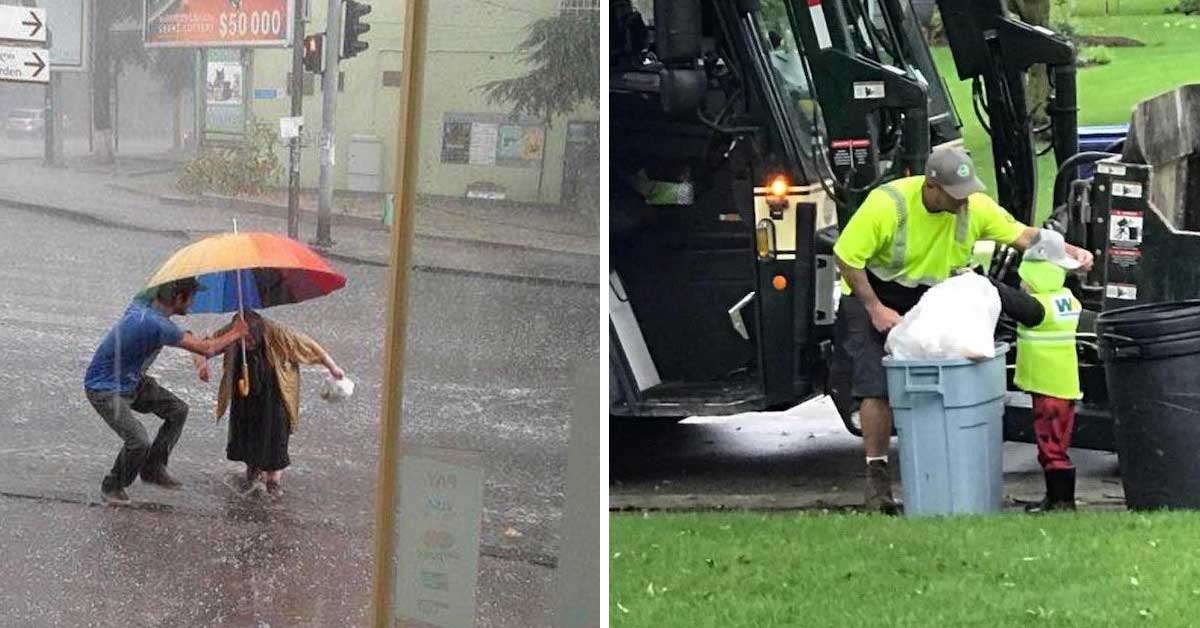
[(468, 146)]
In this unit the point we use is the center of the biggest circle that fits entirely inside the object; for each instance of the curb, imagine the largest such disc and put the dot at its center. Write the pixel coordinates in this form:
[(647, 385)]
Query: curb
[(269, 209), (88, 218), (371, 224)]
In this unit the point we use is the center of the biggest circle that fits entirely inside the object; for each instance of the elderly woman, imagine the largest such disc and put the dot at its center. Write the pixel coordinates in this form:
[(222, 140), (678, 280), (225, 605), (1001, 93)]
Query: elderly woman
[(262, 418)]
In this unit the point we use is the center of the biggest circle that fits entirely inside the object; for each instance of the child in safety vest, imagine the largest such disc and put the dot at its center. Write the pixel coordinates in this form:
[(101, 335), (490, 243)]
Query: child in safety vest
[(1048, 365)]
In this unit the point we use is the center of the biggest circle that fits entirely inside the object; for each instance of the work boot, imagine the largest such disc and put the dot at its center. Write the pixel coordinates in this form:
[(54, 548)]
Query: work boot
[(1060, 492), (162, 478), (879, 489)]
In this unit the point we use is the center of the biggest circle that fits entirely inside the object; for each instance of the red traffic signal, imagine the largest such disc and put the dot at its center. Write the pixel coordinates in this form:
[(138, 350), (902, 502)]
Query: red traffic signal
[(314, 53)]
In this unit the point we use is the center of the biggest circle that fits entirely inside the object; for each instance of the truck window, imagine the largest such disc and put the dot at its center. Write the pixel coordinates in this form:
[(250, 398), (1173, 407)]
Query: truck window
[(789, 70)]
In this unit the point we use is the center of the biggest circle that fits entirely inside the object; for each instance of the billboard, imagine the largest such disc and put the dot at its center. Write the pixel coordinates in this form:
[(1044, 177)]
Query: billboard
[(213, 23)]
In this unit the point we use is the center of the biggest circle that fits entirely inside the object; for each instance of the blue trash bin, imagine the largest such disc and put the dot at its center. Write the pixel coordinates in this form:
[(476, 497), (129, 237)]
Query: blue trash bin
[(949, 417), (1098, 138)]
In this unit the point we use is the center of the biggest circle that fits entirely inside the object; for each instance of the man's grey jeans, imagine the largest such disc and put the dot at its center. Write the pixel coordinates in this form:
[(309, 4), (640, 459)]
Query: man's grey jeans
[(139, 455)]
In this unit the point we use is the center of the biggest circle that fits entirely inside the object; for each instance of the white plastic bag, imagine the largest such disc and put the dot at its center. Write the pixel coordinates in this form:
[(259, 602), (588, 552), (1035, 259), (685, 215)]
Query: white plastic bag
[(954, 319), (336, 389)]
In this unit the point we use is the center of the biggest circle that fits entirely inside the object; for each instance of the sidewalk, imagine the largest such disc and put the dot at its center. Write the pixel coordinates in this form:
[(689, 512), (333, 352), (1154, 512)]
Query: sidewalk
[(529, 243)]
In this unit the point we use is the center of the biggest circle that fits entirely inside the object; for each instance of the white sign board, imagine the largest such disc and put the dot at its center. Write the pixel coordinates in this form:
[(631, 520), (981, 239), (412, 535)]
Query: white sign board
[(484, 138), (437, 538), (67, 21), (289, 127), (24, 65), (22, 24)]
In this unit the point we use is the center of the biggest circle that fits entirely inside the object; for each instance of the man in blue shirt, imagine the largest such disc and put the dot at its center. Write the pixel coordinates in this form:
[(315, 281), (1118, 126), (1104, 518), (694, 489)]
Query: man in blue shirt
[(116, 384)]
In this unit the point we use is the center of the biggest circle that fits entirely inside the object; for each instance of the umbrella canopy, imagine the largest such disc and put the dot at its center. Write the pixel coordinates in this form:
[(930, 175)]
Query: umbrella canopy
[(274, 269)]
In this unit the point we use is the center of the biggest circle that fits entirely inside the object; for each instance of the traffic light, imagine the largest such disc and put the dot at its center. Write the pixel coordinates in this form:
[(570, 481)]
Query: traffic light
[(314, 57), (354, 27)]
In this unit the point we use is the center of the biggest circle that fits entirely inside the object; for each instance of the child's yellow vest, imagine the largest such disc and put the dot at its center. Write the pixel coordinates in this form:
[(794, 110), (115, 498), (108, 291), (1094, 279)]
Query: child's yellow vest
[(1046, 360)]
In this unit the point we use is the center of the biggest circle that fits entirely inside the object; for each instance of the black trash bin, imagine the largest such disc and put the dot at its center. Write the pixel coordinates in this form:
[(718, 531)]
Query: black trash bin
[(1151, 357)]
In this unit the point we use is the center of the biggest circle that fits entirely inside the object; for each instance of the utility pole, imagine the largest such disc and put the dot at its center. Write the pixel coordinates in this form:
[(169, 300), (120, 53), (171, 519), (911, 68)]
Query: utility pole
[(50, 116), (329, 85), (293, 216)]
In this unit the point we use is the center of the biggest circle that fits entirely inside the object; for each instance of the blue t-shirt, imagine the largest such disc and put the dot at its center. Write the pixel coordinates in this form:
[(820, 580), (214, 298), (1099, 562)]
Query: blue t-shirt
[(129, 348)]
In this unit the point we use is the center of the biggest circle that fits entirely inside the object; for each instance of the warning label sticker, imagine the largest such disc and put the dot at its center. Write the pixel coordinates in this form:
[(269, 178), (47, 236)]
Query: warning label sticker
[(1125, 226), (1125, 257), (1127, 189), (1126, 291), (869, 90), (851, 153)]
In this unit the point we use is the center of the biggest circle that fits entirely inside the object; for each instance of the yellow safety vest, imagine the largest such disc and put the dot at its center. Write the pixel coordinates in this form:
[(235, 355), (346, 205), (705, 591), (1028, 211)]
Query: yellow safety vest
[(1046, 360)]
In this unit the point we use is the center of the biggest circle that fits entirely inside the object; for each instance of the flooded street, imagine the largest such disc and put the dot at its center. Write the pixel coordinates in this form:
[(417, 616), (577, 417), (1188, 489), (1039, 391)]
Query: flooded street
[(489, 370)]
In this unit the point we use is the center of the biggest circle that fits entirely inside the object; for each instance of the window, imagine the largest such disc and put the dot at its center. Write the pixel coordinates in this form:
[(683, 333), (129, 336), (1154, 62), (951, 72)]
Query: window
[(578, 6), (646, 8)]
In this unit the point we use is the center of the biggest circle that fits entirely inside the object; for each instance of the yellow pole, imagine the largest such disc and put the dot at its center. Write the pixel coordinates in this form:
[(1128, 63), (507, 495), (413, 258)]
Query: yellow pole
[(405, 188)]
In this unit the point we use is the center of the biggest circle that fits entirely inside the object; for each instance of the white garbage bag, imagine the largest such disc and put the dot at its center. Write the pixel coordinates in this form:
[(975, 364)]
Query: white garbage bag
[(954, 319), (336, 389)]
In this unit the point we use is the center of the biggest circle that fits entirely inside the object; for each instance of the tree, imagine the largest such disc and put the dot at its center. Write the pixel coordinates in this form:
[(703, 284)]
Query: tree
[(104, 17), (115, 49), (564, 52), (1037, 13)]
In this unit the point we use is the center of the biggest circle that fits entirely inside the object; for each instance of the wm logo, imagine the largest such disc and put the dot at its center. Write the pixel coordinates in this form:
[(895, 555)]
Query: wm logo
[(1063, 304)]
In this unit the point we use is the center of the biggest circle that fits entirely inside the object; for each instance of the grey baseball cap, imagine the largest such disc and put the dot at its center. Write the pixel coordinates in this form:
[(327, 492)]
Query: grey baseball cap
[(1051, 247), (952, 169)]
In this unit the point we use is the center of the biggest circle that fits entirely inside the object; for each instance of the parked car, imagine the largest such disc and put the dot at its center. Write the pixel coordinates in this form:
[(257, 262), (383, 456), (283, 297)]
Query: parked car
[(25, 123)]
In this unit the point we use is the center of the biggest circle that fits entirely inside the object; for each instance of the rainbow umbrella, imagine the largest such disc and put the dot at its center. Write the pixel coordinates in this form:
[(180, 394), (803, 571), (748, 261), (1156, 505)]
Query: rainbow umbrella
[(271, 270), (239, 270)]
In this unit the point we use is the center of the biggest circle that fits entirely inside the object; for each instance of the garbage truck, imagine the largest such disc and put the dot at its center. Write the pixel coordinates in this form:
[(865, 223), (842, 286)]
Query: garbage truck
[(744, 133)]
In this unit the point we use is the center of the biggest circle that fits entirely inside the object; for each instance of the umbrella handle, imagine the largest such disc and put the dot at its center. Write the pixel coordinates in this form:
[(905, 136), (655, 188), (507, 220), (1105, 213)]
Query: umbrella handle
[(244, 382)]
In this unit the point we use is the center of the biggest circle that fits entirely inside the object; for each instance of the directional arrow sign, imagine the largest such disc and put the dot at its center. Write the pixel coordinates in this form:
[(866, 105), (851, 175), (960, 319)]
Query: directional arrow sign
[(25, 65), (22, 24)]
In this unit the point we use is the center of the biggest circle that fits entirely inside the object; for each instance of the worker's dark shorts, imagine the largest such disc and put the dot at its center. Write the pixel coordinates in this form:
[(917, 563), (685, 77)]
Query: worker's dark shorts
[(860, 347)]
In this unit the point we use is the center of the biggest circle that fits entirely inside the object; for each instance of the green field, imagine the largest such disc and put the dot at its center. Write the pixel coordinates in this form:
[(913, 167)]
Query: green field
[(1108, 93), (1095, 8), (1081, 570)]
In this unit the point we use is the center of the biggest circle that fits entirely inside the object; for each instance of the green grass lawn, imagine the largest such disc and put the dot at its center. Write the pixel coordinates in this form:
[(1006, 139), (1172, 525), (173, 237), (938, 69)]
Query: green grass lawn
[(1086, 570), (1094, 8), (1107, 93)]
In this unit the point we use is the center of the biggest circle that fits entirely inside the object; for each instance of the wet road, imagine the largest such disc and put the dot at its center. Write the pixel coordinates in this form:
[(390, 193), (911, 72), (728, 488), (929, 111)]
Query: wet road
[(489, 369)]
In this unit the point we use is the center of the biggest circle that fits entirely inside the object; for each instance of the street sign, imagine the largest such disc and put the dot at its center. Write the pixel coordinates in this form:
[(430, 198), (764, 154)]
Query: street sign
[(24, 65), (65, 22), (22, 24)]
